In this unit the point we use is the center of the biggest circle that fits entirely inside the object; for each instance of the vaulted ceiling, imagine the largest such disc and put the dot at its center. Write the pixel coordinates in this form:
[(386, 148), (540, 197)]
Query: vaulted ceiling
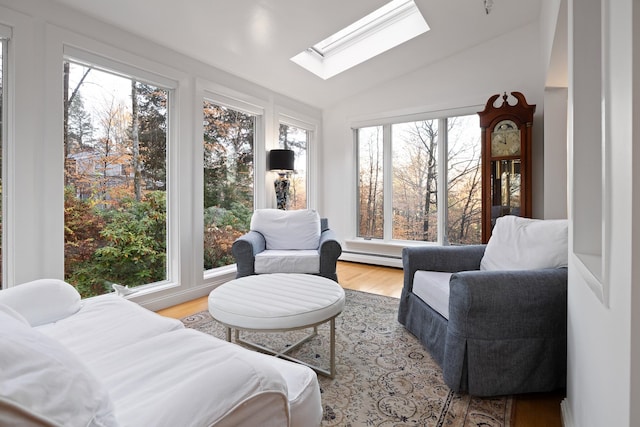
[(254, 39)]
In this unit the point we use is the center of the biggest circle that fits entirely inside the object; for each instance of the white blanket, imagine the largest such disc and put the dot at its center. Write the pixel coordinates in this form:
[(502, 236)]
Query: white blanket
[(158, 373)]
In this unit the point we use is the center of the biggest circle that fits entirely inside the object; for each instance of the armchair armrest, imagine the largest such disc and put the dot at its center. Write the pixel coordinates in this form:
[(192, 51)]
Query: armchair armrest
[(492, 305), (450, 259), (244, 250), (330, 250)]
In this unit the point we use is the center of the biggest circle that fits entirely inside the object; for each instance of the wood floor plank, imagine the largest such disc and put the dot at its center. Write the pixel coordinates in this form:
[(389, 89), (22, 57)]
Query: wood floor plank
[(530, 410)]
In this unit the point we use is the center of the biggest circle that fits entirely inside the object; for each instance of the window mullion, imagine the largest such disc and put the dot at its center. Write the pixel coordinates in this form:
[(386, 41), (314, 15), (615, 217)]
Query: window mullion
[(387, 183), (443, 150)]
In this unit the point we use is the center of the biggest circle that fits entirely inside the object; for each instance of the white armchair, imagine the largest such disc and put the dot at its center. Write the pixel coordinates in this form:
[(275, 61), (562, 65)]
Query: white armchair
[(279, 241)]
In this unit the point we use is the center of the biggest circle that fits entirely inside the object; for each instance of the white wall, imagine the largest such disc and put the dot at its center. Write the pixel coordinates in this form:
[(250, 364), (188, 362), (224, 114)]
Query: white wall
[(604, 336), (555, 153), (511, 62), (33, 240)]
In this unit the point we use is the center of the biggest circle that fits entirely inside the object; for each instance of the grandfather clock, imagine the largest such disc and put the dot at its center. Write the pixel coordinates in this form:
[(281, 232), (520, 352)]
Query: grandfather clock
[(506, 160)]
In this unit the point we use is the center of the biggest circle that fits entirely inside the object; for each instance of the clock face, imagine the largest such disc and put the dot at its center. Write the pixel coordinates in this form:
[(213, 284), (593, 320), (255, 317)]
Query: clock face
[(505, 139)]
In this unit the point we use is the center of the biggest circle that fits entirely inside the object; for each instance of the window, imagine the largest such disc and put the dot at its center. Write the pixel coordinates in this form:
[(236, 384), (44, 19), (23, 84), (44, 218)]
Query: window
[(115, 145), (228, 148), (296, 139), (410, 196), (385, 28)]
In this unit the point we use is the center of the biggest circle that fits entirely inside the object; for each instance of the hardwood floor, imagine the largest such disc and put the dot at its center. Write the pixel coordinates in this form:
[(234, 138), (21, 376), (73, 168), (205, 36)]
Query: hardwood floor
[(530, 410)]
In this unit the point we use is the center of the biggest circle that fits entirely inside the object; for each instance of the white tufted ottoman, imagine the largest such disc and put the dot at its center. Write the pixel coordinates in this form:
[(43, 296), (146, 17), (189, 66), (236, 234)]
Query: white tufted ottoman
[(279, 302)]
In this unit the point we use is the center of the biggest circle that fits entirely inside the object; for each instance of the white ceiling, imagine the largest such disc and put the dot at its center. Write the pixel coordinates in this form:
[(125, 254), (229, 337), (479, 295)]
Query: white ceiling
[(254, 39)]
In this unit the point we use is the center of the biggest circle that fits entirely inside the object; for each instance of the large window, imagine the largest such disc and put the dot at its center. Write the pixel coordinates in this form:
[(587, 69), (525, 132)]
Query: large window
[(409, 189), (296, 139), (115, 145), (228, 147)]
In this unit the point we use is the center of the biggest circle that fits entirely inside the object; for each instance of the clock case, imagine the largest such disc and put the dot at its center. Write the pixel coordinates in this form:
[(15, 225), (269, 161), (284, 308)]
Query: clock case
[(506, 173)]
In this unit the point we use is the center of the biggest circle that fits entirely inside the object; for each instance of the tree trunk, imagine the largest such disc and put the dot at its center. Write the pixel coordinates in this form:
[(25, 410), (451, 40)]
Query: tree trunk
[(137, 167)]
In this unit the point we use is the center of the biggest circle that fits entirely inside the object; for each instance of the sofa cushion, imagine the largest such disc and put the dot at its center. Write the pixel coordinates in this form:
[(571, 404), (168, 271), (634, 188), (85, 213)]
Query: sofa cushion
[(518, 243), (432, 287), (298, 229), (42, 301), (41, 380), (281, 261)]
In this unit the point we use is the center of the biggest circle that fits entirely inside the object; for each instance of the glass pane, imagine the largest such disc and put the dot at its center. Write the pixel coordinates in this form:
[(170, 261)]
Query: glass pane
[(415, 180), (464, 180), (370, 188), (228, 144), (296, 139), (505, 188), (115, 144)]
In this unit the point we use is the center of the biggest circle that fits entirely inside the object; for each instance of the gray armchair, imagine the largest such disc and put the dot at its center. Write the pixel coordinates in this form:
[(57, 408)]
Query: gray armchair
[(321, 261), (506, 331)]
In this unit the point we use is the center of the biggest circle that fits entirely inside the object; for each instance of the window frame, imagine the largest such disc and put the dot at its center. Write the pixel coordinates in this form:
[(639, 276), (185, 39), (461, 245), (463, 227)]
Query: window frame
[(312, 129), (211, 92), (6, 34), (129, 71), (442, 158)]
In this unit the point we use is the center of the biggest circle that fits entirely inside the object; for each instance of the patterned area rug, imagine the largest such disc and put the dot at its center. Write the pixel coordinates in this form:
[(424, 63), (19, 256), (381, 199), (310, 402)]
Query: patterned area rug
[(384, 376)]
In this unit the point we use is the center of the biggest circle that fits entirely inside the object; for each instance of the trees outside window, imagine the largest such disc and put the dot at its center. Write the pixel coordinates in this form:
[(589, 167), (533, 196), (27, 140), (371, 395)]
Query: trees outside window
[(228, 147), (296, 139), (370, 182), (464, 181), (422, 176), (115, 145)]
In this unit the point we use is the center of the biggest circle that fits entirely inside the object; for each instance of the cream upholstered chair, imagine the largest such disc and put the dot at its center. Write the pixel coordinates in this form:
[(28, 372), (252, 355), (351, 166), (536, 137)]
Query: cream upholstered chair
[(280, 241), (493, 316)]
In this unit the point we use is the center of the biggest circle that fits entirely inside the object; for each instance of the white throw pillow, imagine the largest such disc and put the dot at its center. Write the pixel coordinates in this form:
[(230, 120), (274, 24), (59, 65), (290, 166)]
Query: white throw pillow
[(40, 379), (299, 229), (518, 243), (42, 301)]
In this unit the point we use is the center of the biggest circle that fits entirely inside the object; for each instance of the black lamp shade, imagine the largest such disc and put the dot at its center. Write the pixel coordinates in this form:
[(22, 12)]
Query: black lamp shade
[(281, 160)]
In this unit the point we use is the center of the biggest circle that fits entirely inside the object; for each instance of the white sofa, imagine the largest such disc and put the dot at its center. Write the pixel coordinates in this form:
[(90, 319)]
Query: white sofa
[(106, 361)]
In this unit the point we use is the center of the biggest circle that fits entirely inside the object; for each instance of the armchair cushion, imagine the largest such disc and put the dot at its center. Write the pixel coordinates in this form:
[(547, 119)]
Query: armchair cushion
[(432, 287), (298, 229), (277, 261), (524, 244)]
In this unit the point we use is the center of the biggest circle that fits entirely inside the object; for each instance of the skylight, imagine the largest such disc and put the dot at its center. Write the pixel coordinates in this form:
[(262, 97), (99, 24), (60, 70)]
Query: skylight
[(387, 27)]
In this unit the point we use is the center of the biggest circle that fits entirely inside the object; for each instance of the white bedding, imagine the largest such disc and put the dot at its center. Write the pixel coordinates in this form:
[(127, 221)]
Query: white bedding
[(159, 373), (199, 380), (105, 324)]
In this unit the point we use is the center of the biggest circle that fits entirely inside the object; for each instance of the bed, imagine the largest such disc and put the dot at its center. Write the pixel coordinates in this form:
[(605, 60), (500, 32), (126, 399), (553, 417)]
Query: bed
[(106, 361)]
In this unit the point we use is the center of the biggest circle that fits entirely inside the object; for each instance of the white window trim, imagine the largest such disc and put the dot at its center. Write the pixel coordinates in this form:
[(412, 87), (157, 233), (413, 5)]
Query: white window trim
[(311, 126), (62, 44), (7, 236), (223, 96), (126, 71)]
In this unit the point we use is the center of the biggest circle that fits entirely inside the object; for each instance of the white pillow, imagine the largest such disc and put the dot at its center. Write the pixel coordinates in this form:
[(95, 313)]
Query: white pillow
[(518, 243), (40, 379), (42, 301), (299, 229)]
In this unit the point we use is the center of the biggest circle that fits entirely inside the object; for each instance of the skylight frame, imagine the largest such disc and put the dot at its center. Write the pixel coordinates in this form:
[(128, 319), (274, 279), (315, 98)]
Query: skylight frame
[(385, 15), (389, 26)]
